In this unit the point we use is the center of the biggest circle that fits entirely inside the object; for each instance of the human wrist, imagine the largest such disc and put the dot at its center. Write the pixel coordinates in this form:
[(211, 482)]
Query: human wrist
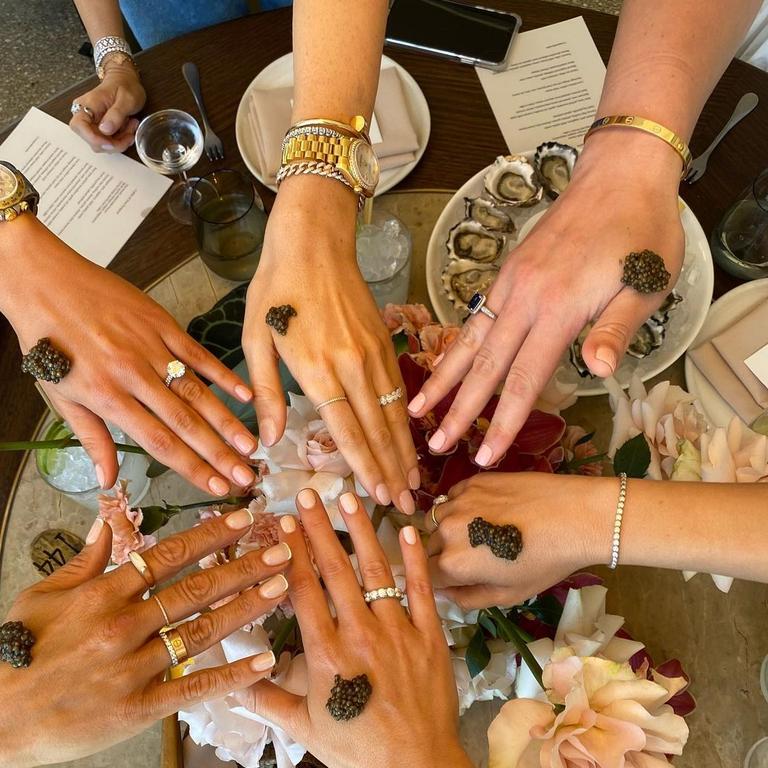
[(599, 498)]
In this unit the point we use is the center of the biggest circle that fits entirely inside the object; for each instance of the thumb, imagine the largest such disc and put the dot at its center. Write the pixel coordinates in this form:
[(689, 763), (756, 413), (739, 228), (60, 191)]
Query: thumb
[(92, 432), (609, 337), (117, 115), (268, 397), (88, 563), (277, 705)]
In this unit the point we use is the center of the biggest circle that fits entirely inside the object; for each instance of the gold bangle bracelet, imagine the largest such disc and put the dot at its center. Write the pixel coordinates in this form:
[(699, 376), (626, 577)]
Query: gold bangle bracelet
[(649, 126)]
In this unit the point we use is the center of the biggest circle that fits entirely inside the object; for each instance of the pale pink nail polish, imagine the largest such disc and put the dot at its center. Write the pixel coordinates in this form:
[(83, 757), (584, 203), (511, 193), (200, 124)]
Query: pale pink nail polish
[(262, 662), (406, 503), (243, 476), (238, 520), (307, 498), (277, 555), (349, 502), (267, 432), (437, 441), (483, 456), (95, 532), (218, 486), (100, 476), (243, 393), (417, 403), (288, 523), (409, 534), (274, 587), (245, 444), (414, 479), (382, 494)]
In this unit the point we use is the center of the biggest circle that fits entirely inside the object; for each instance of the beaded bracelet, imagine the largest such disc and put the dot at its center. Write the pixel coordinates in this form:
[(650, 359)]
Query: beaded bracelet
[(617, 523)]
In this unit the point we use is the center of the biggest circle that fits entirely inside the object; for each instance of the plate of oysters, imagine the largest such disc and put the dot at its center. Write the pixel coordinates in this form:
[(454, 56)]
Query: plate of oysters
[(491, 215)]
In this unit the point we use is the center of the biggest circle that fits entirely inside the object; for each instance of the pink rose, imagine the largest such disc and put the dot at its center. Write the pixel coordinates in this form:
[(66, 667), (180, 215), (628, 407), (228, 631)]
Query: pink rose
[(410, 318), (434, 340), (125, 523), (320, 451)]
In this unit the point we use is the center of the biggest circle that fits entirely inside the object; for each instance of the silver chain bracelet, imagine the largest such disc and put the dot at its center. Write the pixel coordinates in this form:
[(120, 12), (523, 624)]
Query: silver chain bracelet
[(617, 523)]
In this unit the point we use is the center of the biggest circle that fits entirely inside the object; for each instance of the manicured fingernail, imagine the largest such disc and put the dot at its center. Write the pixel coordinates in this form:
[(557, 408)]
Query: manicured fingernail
[(483, 456), (409, 534), (243, 393), (277, 555), (349, 502), (100, 476), (238, 520), (608, 356), (382, 494), (406, 503), (307, 498), (108, 147), (288, 523), (243, 476), (262, 662), (437, 441), (245, 444), (274, 587), (417, 403), (95, 532), (218, 486), (267, 432), (437, 360), (414, 479), (106, 127)]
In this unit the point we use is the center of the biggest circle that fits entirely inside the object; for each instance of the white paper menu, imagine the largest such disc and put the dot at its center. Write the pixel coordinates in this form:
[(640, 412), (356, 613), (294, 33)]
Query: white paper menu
[(758, 364), (551, 89), (93, 202)]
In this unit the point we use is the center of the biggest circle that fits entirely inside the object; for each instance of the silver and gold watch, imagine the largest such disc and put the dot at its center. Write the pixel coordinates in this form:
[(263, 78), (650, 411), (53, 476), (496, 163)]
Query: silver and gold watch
[(17, 195)]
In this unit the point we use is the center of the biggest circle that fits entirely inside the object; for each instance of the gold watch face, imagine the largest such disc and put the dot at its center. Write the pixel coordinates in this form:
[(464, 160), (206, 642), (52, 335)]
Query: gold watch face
[(9, 185), (364, 164)]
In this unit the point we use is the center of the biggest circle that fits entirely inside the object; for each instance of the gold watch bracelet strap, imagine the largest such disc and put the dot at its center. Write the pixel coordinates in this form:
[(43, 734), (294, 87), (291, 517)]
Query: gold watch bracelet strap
[(649, 126)]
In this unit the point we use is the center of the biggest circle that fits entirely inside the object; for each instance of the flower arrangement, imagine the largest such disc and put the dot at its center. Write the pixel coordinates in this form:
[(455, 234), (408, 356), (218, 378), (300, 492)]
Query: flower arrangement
[(564, 665)]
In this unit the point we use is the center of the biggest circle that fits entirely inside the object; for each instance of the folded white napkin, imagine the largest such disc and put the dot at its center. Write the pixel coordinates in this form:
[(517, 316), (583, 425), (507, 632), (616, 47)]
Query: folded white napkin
[(269, 113), (721, 362)]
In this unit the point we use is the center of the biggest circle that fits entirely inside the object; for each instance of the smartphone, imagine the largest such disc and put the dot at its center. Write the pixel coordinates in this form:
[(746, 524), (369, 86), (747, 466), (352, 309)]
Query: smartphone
[(468, 33)]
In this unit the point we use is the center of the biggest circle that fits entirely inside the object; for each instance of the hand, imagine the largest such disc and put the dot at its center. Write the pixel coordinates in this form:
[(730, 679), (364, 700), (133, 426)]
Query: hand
[(566, 523), (411, 717), (120, 342), (336, 345), (96, 676), (119, 95), (566, 274)]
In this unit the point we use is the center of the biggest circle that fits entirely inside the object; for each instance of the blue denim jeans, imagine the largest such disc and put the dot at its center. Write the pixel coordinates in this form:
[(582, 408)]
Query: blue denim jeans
[(154, 22)]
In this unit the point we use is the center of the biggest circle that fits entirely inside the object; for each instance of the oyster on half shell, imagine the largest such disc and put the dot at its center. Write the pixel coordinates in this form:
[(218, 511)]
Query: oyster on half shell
[(512, 180), (463, 278), (471, 240), (490, 214), (555, 162)]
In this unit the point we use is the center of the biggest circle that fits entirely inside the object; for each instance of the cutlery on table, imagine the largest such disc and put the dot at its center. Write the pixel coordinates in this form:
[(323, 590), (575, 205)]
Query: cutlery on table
[(214, 149), (699, 166)]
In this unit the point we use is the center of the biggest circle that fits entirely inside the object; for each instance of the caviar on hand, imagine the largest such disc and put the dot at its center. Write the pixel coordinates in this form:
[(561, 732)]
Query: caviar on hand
[(278, 318), (646, 272), (505, 541), (16, 641), (45, 362), (348, 697)]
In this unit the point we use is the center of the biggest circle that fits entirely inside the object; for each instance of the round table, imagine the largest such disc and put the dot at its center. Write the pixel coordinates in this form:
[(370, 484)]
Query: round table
[(720, 638)]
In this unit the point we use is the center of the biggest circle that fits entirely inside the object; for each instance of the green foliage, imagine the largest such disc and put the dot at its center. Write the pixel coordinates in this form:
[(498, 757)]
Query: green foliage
[(478, 654), (633, 458)]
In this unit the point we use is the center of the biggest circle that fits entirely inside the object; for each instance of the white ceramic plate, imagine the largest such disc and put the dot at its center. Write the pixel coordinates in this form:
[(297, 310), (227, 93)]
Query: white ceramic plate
[(722, 314), (279, 74), (695, 285)]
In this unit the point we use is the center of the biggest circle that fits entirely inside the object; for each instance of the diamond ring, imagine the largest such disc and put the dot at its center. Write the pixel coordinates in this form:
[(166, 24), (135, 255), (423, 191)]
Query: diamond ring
[(441, 499), (390, 397), (75, 108), (477, 304), (383, 593), (175, 370)]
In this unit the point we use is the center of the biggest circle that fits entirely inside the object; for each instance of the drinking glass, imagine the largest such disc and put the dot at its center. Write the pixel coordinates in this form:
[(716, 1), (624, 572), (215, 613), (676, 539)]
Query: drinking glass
[(384, 256), (170, 142), (229, 221), (740, 241), (71, 472)]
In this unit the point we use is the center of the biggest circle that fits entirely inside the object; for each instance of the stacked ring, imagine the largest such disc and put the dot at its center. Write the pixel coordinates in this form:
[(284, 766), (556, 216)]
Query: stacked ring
[(174, 644), (383, 593), (140, 564), (167, 621), (390, 397), (338, 399), (441, 499)]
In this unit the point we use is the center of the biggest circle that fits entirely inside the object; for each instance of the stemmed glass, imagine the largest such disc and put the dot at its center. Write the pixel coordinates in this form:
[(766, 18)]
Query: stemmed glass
[(171, 142)]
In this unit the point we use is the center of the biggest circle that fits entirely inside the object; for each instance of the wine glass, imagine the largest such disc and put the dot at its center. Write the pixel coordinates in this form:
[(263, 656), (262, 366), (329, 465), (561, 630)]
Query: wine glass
[(170, 142)]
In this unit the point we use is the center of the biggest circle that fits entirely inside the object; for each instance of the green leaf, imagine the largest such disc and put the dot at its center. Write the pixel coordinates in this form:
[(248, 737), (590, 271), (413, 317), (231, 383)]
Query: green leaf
[(400, 342), (153, 519), (512, 633), (488, 625), (633, 458), (155, 469), (478, 654), (546, 608)]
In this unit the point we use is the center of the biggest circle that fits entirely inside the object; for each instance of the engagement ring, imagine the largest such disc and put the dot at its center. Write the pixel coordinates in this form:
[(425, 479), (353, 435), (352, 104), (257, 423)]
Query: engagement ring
[(382, 594), (390, 397), (175, 369), (441, 499), (75, 108), (477, 304)]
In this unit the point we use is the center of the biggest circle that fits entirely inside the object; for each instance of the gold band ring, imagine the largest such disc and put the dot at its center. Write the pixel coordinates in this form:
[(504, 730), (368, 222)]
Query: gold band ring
[(390, 397), (441, 499), (163, 611), (338, 399), (138, 562), (174, 644)]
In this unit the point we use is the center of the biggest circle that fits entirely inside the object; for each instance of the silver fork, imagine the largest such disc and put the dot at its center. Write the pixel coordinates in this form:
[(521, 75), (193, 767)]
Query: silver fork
[(214, 149), (699, 166)]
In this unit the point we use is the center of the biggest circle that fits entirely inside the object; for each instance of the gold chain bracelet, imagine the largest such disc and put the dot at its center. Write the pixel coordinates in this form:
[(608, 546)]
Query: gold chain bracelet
[(649, 126)]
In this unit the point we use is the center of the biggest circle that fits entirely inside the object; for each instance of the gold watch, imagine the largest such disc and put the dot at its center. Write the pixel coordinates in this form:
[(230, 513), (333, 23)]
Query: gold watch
[(17, 195), (332, 149)]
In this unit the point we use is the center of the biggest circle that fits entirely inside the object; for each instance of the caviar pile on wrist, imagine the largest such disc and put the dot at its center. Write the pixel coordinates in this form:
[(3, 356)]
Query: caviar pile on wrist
[(505, 541), (645, 272), (348, 697), (45, 362), (278, 318), (16, 641)]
